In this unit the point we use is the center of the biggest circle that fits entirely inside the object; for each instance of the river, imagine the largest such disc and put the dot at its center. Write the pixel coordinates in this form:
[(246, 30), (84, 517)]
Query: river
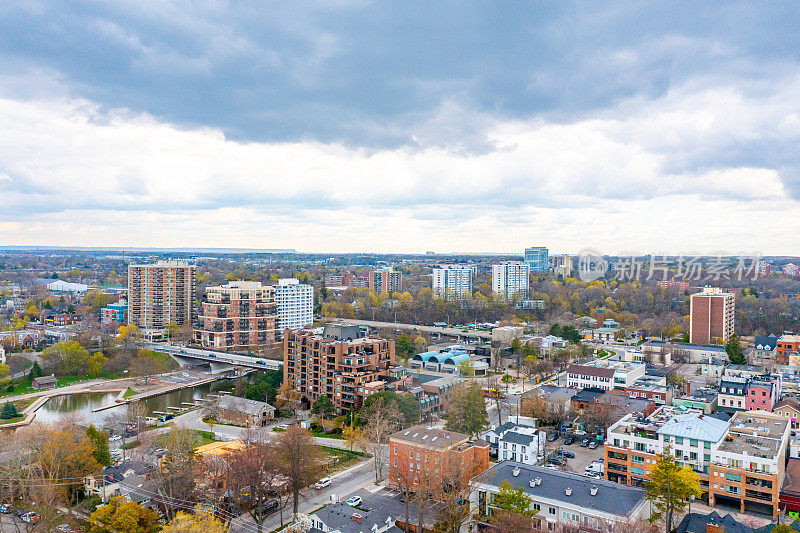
[(80, 406)]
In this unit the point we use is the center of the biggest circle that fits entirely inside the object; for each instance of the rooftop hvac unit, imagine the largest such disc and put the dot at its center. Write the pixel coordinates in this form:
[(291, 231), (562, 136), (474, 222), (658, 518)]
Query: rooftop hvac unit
[(515, 472), (568, 491), (593, 491)]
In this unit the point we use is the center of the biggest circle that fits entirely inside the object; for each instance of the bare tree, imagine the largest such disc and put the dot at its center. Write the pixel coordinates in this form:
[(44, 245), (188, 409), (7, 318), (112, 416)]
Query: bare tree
[(300, 462), (177, 474), (382, 421), (252, 473)]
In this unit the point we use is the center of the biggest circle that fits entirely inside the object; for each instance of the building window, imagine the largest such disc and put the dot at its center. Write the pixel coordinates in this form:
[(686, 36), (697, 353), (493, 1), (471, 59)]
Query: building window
[(551, 510)]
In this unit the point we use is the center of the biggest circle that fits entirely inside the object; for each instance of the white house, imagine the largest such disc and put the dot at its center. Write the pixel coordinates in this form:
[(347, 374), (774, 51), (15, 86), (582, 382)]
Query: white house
[(563, 499)]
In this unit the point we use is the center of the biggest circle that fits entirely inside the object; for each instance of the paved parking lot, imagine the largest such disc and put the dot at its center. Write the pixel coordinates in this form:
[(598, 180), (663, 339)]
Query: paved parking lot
[(583, 456)]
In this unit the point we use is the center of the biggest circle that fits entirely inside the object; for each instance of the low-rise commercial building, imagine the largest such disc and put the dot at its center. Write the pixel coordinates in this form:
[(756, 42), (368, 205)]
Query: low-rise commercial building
[(605, 374), (562, 499), (740, 461)]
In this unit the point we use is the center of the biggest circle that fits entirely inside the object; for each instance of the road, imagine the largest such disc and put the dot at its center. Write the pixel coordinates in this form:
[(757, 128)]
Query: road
[(452, 332), (211, 356)]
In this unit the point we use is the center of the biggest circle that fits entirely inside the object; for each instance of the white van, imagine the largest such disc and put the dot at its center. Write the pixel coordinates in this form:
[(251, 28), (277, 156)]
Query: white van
[(322, 483)]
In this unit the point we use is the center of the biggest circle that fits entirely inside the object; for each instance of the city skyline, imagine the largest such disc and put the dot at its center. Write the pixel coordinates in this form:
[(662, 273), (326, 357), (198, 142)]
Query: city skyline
[(346, 127)]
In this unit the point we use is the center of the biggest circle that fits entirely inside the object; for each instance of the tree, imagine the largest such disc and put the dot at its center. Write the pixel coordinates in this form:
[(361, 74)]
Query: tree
[(513, 499), (734, 351), (382, 418), (96, 364), (299, 460), (253, 473), (35, 372), (467, 412), (122, 516), (68, 357), (129, 337), (287, 399), (598, 416), (355, 436), (176, 478), (516, 345), (199, 522), (148, 363), (9, 411), (678, 381), (555, 330), (100, 449), (669, 488), (323, 406), (534, 407), (467, 368)]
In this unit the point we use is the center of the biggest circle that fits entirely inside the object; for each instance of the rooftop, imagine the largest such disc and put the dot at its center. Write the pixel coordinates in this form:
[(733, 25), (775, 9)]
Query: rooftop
[(432, 438), (612, 498), (755, 433), (675, 421)]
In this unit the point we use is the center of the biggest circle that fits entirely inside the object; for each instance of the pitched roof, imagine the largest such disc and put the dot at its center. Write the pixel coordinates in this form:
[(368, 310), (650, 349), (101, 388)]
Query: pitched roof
[(518, 438), (698, 523), (612, 498), (695, 426), (590, 371), (339, 517), (243, 405), (766, 343), (788, 403)]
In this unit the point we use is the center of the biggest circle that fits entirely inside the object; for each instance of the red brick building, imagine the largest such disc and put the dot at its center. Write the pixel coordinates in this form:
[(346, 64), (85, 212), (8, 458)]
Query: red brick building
[(420, 455), (711, 315), (347, 371), (239, 317)]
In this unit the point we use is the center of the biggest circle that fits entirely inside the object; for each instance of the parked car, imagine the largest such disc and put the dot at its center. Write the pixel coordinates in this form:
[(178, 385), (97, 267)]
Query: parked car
[(556, 460), (551, 437), (281, 427), (6, 508), (30, 517), (354, 501), (584, 443), (565, 453), (593, 445), (269, 506), (114, 438), (569, 440), (322, 483)]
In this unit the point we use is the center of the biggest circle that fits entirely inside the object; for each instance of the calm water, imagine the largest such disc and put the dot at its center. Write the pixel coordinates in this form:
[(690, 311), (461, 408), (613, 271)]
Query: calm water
[(81, 405)]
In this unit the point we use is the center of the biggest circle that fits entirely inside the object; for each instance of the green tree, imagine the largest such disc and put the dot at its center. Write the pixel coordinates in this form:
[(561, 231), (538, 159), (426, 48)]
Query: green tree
[(409, 407), (100, 449), (734, 351), (35, 372), (555, 329), (9, 411), (669, 488), (467, 412), (467, 368), (571, 334), (199, 522), (95, 365), (513, 499), (69, 357), (516, 345), (404, 345), (323, 406), (122, 516)]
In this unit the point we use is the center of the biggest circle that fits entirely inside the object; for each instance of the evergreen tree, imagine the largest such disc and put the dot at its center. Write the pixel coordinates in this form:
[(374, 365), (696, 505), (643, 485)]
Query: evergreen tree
[(36, 372), (9, 411), (734, 351), (100, 449)]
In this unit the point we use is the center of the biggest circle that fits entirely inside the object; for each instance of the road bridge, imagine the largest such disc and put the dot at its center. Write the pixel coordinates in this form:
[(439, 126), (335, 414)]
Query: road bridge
[(219, 361)]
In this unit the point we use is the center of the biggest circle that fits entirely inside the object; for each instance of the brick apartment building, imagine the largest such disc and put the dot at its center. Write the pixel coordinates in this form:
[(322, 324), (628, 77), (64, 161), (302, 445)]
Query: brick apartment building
[(160, 294), (346, 370), (420, 454), (711, 314), (785, 346), (239, 316), (740, 462), (386, 279)]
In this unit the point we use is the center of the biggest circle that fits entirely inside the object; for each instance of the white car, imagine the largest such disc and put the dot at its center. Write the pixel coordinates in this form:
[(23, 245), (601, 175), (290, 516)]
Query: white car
[(322, 483), (115, 438), (281, 427), (354, 501)]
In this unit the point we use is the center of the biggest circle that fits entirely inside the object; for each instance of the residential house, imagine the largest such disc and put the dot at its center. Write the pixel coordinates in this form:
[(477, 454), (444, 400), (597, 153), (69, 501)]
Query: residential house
[(762, 394), (243, 412), (716, 523), (45, 382), (339, 517), (553, 396), (562, 499), (517, 442), (788, 408), (107, 484), (732, 395), (765, 346), (713, 367), (785, 346), (604, 374)]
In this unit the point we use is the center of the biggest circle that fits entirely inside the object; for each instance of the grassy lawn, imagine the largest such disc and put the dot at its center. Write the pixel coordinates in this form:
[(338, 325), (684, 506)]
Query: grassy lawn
[(128, 393), (20, 405), (203, 437), (336, 459), (12, 420), (24, 386)]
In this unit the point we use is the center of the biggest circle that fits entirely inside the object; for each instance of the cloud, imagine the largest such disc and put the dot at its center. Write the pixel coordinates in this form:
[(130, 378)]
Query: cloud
[(93, 172)]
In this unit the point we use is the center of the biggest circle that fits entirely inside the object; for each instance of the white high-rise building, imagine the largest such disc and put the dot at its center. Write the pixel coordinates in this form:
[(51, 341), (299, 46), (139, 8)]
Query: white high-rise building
[(452, 281), (510, 278), (295, 303)]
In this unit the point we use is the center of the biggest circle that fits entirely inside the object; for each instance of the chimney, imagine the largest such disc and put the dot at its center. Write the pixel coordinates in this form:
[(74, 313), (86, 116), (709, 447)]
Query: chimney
[(358, 518), (711, 527), (515, 472)]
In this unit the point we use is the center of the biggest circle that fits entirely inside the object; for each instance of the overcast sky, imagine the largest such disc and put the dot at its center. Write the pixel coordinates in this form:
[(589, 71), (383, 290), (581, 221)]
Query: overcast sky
[(340, 126)]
